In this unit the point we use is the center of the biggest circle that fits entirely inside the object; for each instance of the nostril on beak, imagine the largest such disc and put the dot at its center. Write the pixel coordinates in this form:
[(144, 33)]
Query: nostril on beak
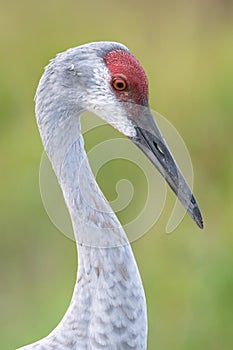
[(158, 148)]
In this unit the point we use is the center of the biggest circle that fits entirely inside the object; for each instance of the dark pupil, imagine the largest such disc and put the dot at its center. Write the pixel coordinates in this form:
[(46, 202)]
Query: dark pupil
[(120, 85)]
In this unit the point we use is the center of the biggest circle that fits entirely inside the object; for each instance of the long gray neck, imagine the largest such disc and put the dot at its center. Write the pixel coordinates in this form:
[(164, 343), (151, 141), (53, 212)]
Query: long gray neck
[(94, 222), (108, 287)]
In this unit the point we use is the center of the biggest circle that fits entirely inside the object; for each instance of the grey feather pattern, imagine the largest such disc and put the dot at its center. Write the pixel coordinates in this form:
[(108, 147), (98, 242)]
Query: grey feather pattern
[(108, 307)]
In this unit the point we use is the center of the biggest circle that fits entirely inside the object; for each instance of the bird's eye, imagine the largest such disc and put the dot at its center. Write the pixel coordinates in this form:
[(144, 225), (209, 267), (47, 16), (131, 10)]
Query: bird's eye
[(119, 83)]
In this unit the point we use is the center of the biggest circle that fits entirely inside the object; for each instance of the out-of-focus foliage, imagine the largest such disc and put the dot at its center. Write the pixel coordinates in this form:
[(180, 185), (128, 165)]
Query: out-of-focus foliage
[(186, 49)]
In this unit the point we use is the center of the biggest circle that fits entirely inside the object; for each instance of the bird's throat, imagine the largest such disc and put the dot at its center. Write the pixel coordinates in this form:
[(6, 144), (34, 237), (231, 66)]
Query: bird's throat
[(94, 222)]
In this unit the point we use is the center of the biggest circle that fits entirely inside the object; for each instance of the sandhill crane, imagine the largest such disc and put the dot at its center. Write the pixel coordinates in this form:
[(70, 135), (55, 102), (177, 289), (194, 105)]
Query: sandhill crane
[(108, 307)]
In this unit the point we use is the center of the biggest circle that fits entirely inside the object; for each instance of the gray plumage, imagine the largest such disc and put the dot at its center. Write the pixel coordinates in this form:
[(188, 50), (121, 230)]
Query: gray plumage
[(108, 307)]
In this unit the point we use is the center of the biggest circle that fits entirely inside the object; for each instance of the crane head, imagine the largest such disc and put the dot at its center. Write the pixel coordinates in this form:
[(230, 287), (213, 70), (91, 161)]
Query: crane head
[(105, 78)]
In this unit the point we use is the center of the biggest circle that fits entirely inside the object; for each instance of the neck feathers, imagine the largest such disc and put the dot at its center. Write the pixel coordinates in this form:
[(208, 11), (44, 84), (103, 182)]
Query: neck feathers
[(94, 222)]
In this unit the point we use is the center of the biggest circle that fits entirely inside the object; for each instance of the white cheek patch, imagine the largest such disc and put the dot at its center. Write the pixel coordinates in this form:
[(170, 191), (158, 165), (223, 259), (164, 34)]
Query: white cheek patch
[(126, 128), (102, 101), (115, 115)]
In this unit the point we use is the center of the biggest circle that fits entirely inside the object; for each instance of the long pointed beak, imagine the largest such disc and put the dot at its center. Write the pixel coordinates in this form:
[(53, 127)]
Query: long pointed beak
[(151, 141)]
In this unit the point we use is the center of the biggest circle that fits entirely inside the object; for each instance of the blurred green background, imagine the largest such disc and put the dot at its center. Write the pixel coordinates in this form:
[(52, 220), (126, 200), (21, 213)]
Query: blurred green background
[(186, 48)]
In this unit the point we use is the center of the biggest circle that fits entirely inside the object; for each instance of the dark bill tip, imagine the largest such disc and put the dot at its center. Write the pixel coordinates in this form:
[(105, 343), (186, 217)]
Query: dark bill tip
[(155, 148), (196, 214)]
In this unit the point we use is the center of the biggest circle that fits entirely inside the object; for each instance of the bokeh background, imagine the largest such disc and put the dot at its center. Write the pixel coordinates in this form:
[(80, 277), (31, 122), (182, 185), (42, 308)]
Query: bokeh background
[(186, 48)]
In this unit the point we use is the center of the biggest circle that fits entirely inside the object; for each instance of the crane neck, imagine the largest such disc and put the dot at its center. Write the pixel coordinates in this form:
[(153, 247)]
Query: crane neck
[(94, 222), (108, 294)]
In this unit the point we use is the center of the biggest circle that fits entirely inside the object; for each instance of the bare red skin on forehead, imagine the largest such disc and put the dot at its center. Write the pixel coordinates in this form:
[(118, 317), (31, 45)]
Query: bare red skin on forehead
[(120, 62)]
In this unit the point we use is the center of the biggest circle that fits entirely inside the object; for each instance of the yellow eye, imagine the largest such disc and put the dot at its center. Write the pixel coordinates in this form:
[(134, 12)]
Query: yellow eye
[(119, 83)]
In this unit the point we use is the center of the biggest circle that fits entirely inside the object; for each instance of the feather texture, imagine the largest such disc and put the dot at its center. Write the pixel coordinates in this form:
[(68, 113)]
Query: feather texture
[(108, 307)]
